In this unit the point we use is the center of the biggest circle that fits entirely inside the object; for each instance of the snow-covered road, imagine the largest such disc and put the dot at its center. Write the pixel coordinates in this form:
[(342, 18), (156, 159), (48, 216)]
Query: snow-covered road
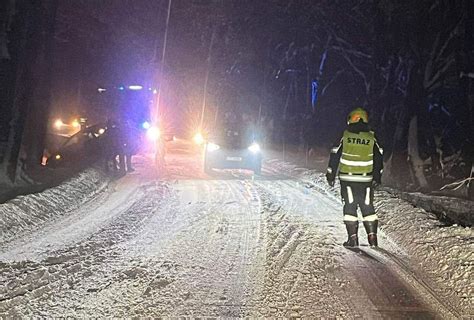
[(180, 243)]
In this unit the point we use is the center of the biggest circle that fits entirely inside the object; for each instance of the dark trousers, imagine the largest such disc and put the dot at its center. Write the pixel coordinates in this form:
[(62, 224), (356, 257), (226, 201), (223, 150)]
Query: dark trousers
[(128, 160), (357, 194)]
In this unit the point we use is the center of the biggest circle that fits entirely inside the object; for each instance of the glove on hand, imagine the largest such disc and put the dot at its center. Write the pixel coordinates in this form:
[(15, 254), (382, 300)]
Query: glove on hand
[(330, 179)]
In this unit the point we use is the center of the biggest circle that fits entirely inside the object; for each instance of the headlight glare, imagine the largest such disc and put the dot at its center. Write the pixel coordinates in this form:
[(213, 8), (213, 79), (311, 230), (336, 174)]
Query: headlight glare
[(58, 124), (198, 138), (212, 147), (254, 148), (153, 133)]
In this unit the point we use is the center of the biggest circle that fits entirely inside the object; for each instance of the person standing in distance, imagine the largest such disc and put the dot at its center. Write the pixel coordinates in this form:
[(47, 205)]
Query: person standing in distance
[(358, 160)]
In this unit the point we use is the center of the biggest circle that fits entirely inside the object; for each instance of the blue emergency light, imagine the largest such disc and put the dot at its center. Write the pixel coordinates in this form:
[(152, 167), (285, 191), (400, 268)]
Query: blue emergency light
[(146, 125)]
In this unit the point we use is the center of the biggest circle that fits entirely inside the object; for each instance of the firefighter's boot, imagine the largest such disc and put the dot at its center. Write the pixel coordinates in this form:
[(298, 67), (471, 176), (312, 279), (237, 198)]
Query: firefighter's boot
[(371, 228), (352, 239)]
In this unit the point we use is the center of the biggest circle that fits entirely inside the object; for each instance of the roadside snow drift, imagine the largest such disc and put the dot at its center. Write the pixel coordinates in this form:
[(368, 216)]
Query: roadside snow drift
[(27, 213)]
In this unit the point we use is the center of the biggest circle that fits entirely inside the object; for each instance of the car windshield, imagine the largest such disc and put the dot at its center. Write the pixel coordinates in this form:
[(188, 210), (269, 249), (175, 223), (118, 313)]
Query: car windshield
[(234, 136)]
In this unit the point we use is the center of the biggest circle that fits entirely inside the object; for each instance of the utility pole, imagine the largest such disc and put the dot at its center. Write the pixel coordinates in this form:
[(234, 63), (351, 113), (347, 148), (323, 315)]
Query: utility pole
[(206, 80), (159, 81)]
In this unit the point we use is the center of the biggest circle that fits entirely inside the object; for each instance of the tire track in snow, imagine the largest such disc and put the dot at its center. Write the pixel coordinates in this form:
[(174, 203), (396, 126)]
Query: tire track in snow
[(232, 262), (303, 276)]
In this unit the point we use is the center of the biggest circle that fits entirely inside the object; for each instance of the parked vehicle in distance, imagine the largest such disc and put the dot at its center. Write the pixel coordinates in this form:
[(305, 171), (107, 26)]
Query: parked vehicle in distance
[(87, 145), (233, 147)]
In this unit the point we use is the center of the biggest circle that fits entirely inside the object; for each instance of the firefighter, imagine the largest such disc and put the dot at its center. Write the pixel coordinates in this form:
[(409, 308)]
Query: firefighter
[(359, 159)]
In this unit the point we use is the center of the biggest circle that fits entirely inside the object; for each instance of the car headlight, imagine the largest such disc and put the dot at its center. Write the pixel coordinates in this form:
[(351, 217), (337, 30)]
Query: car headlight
[(58, 124), (254, 148), (153, 133), (212, 147), (198, 138)]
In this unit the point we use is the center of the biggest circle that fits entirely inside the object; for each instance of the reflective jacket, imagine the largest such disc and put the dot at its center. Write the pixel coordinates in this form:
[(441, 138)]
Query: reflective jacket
[(358, 156)]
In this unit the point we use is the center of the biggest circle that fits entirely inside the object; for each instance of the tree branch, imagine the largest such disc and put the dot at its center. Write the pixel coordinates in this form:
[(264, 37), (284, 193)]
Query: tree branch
[(332, 80)]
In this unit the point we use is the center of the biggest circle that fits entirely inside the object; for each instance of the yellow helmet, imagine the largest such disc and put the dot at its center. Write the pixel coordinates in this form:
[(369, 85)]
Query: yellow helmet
[(357, 114)]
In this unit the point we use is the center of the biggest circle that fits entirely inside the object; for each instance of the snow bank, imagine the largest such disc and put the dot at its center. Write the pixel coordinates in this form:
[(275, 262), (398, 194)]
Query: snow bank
[(445, 253), (456, 210), (27, 213)]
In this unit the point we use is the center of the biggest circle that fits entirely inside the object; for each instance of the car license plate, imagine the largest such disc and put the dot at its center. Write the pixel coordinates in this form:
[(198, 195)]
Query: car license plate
[(234, 158)]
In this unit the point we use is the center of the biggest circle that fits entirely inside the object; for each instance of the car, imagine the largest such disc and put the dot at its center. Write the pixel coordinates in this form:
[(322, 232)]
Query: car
[(87, 145), (232, 148)]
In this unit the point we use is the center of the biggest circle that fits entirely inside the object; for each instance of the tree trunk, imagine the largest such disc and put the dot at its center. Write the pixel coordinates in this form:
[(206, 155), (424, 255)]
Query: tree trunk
[(413, 155), (416, 136), (23, 44), (470, 184), (39, 112), (28, 106), (397, 169)]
